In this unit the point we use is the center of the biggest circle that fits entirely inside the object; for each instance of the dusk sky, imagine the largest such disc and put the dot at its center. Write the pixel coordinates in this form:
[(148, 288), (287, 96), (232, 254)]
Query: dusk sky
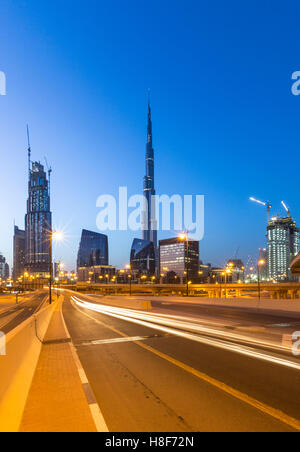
[(225, 123)]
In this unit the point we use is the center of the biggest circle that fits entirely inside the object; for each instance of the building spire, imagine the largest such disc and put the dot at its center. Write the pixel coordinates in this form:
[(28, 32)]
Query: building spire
[(29, 151), (149, 120)]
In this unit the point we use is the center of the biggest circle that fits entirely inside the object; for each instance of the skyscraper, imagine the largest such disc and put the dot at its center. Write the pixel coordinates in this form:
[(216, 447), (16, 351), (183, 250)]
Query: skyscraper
[(93, 249), (283, 246), (4, 268), (177, 257), (38, 220), (149, 223), (142, 259), (19, 253)]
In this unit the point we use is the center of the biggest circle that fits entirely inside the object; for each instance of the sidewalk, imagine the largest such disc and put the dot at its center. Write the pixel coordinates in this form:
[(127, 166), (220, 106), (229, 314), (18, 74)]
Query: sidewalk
[(57, 401)]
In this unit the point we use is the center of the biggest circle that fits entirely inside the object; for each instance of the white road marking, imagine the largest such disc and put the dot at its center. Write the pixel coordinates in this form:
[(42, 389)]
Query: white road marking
[(115, 341), (97, 416)]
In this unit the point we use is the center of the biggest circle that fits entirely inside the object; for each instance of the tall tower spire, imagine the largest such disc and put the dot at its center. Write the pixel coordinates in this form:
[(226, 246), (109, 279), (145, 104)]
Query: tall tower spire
[(29, 152), (149, 221)]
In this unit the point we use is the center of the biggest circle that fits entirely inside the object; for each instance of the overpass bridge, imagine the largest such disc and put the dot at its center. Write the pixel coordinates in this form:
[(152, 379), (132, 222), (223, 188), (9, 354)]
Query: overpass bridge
[(268, 290)]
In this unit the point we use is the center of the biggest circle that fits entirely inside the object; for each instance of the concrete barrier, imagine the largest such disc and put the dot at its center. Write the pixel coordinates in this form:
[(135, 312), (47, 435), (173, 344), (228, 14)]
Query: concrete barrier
[(17, 367)]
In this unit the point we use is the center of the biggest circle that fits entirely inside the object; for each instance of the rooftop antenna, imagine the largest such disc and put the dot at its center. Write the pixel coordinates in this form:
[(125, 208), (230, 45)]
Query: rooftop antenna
[(29, 151), (49, 174)]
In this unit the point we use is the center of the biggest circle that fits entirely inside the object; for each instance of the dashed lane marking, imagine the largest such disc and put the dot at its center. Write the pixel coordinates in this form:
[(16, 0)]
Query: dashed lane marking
[(98, 418)]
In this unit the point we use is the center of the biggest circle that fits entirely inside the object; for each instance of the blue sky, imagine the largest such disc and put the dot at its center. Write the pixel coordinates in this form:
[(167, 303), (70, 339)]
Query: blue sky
[(225, 122)]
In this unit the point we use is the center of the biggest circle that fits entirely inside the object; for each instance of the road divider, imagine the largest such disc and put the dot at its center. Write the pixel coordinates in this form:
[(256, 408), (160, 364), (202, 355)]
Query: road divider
[(17, 367)]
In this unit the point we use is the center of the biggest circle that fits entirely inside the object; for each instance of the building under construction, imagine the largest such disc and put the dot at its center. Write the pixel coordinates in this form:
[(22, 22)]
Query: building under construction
[(38, 222), (283, 246)]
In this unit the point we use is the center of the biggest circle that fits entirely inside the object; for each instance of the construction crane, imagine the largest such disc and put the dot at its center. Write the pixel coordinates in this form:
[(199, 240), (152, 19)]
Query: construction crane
[(49, 174), (286, 208), (266, 204)]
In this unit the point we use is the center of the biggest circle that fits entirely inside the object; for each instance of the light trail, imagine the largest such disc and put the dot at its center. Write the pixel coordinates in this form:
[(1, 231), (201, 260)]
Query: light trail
[(168, 327), (186, 324)]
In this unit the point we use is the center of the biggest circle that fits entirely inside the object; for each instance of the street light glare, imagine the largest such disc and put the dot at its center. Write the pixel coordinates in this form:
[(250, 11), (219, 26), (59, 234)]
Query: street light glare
[(58, 236)]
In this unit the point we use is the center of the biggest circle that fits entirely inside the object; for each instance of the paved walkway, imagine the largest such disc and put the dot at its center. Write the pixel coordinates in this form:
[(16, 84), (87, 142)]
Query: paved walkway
[(57, 401)]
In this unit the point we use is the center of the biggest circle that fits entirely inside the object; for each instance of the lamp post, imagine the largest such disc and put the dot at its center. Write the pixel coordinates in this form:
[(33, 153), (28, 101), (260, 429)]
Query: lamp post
[(130, 289), (57, 236), (184, 237), (221, 288), (259, 264), (128, 267)]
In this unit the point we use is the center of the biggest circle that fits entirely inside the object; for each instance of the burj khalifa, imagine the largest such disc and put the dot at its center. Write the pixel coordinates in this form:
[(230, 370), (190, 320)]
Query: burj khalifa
[(149, 223), (143, 257)]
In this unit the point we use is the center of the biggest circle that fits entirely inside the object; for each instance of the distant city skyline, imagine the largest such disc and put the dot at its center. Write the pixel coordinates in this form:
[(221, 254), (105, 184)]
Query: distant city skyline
[(226, 122)]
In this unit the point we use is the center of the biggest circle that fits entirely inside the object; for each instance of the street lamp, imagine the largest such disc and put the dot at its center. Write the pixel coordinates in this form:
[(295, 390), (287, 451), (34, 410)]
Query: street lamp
[(57, 236), (128, 267), (184, 238), (130, 291), (228, 272), (260, 263)]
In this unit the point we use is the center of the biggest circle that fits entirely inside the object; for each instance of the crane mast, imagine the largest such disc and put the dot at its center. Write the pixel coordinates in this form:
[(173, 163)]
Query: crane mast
[(286, 208), (266, 204)]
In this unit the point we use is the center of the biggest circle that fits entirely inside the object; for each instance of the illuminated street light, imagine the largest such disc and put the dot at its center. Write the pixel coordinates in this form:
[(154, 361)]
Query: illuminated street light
[(184, 237), (260, 263), (56, 236)]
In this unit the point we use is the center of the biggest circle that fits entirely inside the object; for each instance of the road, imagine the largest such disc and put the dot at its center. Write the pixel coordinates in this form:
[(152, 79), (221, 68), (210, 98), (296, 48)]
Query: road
[(12, 317), (163, 374)]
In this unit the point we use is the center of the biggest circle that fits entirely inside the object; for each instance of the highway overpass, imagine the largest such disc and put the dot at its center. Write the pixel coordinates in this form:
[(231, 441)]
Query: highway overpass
[(268, 290), (295, 265)]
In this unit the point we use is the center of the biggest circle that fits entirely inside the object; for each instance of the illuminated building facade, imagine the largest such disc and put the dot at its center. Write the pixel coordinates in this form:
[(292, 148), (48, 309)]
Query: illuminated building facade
[(97, 274), (283, 246), (19, 253), (38, 222), (173, 257), (4, 268)]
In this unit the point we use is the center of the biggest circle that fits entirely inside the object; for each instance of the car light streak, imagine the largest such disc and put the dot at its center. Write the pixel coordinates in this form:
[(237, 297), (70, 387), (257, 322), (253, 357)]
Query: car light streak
[(143, 319), (187, 325)]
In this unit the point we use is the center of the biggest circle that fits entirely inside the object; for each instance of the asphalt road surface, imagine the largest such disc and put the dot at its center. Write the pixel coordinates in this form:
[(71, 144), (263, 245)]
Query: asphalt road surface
[(164, 373), (27, 306)]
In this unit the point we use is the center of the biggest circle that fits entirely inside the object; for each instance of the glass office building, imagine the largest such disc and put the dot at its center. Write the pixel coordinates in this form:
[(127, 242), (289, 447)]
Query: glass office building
[(283, 246), (93, 249), (38, 222), (173, 257), (142, 257), (19, 253)]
